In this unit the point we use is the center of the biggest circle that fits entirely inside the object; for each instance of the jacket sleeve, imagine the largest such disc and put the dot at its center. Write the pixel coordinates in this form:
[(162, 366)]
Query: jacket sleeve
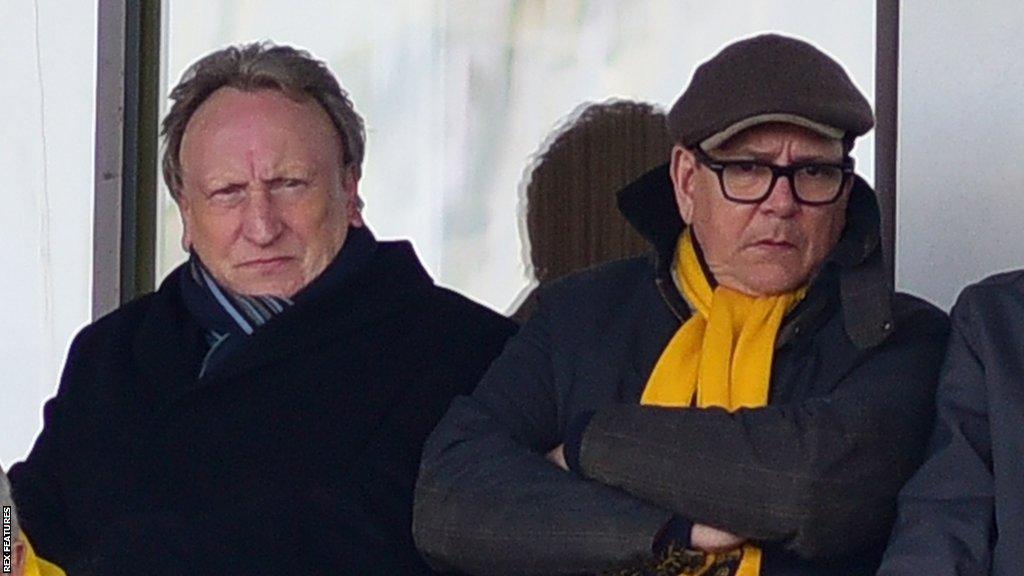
[(818, 477), (946, 517), (36, 482), (487, 501)]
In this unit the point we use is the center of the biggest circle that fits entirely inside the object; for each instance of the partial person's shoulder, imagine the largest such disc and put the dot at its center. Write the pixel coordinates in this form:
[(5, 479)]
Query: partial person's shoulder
[(604, 280), (115, 328), (431, 307), (908, 305), (914, 315), (594, 296), (463, 311), (1002, 286), (122, 320), (995, 303)]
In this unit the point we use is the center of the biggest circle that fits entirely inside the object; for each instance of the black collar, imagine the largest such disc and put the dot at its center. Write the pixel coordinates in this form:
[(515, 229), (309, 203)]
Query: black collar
[(230, 319), (169, 343)]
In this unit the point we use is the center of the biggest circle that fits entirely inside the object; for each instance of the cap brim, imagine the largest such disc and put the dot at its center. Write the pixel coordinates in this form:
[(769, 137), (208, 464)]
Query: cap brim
[(720, 138)]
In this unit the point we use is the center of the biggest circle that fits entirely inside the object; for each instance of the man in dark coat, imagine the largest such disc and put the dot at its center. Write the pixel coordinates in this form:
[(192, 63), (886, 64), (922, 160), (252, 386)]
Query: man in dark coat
[(747, 400), (264, 411), (962, 514)]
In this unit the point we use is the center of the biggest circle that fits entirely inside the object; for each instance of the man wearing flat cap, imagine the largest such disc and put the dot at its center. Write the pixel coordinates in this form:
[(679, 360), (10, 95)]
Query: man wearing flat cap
[(746, 400), (264, 411)]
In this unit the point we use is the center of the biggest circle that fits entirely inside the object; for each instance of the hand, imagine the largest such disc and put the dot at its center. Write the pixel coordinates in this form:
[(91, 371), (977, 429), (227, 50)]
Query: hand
[(18, 554), (712, 540), (557, 457)]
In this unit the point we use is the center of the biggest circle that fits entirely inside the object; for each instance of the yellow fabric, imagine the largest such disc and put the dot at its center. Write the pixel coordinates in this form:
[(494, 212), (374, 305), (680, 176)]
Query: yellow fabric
[(36, 566), (720, 357)]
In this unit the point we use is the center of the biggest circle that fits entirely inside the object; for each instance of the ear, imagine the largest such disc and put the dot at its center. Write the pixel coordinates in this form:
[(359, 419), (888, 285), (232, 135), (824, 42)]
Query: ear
[(185, 212), (353, 203), (683, 168)]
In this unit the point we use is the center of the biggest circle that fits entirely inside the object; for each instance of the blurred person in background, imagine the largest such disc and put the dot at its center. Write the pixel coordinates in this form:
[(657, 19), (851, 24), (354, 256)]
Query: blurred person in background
[(572, 221)]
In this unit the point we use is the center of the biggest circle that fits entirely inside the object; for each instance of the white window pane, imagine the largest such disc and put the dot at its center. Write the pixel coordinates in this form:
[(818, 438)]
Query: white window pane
[(458, 95)]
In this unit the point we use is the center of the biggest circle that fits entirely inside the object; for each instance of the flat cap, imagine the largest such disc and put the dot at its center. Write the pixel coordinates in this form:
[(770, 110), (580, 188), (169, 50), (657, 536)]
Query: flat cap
[(768, 78)]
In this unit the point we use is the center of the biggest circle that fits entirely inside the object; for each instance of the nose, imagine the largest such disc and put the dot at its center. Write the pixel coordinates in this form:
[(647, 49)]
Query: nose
[(262, 223), (781, 200)]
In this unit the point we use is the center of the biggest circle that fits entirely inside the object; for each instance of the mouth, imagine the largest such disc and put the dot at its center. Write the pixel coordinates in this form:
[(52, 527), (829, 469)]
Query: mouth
[(266, 264), (774, 245)]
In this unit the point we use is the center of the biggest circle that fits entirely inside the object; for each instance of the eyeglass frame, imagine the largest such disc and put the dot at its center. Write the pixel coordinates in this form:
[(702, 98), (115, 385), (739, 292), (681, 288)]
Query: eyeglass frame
[(846, 166)]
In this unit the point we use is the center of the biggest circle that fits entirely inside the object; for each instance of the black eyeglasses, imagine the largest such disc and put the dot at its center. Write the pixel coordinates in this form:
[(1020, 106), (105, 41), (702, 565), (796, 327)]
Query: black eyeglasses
[(751, 181)]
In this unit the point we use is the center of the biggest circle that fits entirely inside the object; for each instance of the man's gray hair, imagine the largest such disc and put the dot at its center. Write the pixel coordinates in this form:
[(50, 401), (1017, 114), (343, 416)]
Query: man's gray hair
[(253, 67), (6, 500)]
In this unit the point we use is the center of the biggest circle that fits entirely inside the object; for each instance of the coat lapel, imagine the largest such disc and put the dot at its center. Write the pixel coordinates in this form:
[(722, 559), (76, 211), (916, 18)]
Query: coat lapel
[(168, 346), (659, 321), (384, 287), (388, 286)]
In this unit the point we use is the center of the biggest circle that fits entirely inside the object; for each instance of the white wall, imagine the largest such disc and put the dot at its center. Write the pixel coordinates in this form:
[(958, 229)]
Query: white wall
[(47, 62), (961, 144)]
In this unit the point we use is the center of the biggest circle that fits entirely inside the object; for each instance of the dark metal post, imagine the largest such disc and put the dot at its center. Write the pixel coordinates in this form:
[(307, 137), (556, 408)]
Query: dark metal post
[(887, 57), (139, 183), (107, 232)]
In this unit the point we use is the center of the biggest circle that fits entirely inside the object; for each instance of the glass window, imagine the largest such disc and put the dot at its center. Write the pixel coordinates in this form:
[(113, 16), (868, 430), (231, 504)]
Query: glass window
[(458, 94)]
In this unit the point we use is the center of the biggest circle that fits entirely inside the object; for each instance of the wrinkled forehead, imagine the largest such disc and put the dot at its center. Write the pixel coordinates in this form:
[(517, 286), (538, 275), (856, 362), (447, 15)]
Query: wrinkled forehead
[(773, 137), (234, 122), (230, 107)]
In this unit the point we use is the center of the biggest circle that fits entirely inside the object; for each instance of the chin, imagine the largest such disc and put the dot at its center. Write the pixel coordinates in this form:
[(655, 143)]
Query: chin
[(777, 282), (288, 291), (285, 288)]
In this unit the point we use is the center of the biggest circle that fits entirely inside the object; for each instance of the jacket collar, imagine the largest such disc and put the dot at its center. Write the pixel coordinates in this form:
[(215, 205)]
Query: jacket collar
[(221, 311), (865, 290), (169, 343), (230, 319)]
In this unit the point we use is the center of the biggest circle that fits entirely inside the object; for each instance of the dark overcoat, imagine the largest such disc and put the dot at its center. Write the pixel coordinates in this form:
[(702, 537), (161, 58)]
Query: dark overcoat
[(962, 514), (298, 454), (812, 477)]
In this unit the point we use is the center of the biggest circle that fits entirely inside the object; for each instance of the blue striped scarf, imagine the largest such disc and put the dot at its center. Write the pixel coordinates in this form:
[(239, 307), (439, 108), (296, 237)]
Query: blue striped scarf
[(228, 319), (246, 312)]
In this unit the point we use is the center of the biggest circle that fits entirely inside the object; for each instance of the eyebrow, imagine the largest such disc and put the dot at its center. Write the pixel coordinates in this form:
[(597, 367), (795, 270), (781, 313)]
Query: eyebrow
[(220, 181), (290, 170), (224, 178), (768, 157)]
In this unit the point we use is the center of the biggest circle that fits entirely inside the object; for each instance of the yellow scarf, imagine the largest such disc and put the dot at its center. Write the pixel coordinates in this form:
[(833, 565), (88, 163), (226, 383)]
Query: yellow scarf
[(720, 357), (36, 566)]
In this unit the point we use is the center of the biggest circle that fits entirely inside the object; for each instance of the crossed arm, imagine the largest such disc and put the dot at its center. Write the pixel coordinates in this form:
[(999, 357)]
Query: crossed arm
[(700, 536), (813, 476)]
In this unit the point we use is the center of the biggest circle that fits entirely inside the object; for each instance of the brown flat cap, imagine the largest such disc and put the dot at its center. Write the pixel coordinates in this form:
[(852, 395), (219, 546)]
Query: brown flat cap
[(768, 78)]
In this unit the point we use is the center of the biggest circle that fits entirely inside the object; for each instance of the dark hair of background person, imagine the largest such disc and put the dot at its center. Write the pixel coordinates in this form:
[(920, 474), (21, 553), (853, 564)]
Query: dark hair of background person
[(572, 219)]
